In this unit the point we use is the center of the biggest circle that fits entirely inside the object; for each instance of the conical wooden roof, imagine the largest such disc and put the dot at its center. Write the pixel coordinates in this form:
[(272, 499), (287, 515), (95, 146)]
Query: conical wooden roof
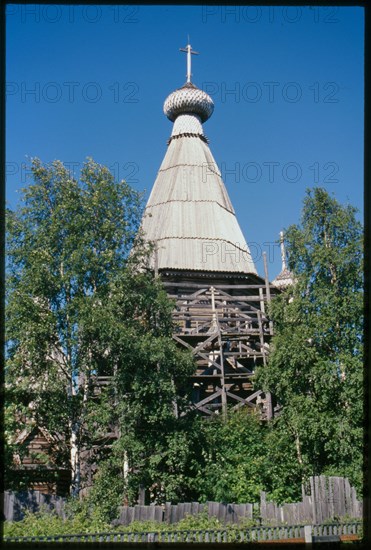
[(189, 215)]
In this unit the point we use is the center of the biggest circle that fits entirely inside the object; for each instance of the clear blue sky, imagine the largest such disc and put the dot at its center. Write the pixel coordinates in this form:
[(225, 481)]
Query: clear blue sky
[(287, 84)]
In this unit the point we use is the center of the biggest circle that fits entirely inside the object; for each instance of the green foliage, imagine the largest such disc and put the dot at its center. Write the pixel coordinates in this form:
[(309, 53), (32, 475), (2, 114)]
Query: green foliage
[(79, 305), (83, 518), (110, 482), (46, 523), (282, 473), (66, 242), (315, 368), (151, 391), (243, 456), (162, 458), (198, 522), (203, 521), (234, 458)]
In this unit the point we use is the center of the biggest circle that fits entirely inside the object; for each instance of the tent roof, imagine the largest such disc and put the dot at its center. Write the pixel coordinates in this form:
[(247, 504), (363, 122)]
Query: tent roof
[(189, 214)]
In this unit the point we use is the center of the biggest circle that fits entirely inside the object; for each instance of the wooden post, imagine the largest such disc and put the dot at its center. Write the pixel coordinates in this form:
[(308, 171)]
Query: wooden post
[(214, 316), (308, 534), (175, 404), (142, 494), (267, 287), (268, 403), (261, 296), (263, 505), (222, 379), (215, 325), (261, 336)]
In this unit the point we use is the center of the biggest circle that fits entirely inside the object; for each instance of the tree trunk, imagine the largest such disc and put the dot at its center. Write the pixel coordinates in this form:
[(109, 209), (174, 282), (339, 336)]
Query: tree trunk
[(298, 449), (75, 459), (298, 454)]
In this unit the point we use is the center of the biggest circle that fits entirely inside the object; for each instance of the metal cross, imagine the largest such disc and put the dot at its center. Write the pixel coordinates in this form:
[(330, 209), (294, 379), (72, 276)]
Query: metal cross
[(189, 51)]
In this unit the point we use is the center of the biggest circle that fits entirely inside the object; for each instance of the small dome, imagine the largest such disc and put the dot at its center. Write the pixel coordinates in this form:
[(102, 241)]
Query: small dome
[(188, 99), (284, 279)]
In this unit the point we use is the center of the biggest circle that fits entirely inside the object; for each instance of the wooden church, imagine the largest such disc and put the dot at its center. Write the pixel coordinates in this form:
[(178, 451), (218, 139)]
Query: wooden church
[(206, 266), (205, 263)]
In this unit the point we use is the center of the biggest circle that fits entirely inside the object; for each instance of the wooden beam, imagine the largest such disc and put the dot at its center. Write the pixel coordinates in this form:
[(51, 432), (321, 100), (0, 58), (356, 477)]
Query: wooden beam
[(205, 342), (209, 398), (236, 397), (224, 396), (247, 400), (242, 319), (216, 286), (262, 337), (266, 277), (268, 403), (182, 342), (262, 304), (205, 410), (239, 405), (201, 308), (209, 360), (245, 335), (228, 298)]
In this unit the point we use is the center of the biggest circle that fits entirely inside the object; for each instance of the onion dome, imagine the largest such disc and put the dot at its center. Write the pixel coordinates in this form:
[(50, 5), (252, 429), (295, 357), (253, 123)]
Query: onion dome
[(285, 278), (188, 100)]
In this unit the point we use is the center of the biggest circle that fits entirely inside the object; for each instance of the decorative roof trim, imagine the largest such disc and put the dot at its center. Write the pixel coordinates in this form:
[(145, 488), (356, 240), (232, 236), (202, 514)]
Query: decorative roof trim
[(208, 274), (203, 239), (188, 134)]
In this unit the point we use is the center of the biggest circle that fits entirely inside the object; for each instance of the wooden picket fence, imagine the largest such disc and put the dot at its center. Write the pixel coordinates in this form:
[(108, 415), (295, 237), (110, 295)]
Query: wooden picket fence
[(173, 513), (15, 504), (294, 533), (330, 498)]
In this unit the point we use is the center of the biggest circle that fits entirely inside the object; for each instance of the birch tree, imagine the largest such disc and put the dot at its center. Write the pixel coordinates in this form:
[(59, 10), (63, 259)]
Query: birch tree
[(315, 366), (66, 242)]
